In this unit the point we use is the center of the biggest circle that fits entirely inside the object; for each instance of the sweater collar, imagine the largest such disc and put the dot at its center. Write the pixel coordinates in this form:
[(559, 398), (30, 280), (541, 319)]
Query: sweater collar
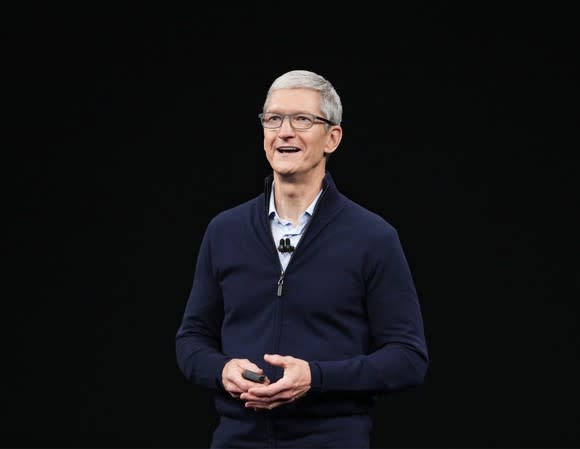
[(329, 190), (329, 204), (273, 212)]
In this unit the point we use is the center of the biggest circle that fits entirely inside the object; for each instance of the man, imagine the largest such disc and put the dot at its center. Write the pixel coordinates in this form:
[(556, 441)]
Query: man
[(305, 288)]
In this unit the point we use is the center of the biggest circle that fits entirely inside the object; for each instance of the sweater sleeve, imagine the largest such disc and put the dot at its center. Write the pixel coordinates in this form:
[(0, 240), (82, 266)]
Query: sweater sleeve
[(198, 341), (399, 357)]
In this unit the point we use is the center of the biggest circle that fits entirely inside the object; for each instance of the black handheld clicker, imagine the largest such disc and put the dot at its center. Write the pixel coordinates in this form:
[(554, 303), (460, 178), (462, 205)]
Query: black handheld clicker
[(253, 376)]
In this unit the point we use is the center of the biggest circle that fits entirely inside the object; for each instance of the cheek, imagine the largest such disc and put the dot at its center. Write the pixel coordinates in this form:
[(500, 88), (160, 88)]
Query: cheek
[(268, 141)]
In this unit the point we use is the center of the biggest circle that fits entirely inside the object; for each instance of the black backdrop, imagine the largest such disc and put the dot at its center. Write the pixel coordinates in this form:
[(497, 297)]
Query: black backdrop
[(128, 126)]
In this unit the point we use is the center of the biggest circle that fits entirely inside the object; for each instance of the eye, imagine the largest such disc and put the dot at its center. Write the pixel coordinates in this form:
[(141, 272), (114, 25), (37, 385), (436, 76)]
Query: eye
[(273, 118), (302, 119)]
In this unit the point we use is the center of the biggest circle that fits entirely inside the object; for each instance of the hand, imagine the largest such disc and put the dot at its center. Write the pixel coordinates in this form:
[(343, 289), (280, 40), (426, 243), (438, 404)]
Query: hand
[(294, 384), (232, 379)]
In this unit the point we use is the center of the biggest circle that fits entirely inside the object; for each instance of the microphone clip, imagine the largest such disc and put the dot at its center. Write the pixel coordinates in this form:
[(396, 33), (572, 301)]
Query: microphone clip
[(285, 246)]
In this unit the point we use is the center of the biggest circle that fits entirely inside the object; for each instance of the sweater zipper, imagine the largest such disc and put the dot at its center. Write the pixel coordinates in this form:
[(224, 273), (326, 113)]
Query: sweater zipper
[(281, 281), (281, 278), (282, 271)]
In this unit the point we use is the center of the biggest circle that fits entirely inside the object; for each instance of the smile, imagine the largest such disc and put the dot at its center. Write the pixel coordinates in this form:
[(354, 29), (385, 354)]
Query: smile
[(288, 149)]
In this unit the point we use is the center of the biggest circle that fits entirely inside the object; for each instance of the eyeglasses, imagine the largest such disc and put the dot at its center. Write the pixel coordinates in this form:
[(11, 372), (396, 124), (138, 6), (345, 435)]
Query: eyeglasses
[(299, 120)]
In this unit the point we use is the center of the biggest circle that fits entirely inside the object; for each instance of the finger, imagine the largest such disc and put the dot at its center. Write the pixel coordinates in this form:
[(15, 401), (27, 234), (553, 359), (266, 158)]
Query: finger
[(234, 388), (262, 406), (270, 390), (252, 367), (276, 360), (256, 404), (266, 399), (281, 396)]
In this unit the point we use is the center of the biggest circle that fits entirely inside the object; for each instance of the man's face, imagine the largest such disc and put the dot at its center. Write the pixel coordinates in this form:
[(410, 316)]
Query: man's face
[(292, 152)]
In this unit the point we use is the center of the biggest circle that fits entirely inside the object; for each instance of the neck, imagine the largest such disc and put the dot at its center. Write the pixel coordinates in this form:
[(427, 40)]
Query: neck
[(292, 197)]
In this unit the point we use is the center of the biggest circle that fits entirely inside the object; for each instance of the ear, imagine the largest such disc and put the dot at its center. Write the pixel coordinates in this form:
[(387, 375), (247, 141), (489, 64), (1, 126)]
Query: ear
[(333, 138)]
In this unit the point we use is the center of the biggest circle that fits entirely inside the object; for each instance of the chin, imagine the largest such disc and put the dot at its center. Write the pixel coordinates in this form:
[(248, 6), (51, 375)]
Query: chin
[(285, 173), (284, 169)]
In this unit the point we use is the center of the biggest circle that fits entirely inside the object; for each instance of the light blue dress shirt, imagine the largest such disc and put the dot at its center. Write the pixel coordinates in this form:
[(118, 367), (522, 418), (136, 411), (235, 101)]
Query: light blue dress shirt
[(285, 229)]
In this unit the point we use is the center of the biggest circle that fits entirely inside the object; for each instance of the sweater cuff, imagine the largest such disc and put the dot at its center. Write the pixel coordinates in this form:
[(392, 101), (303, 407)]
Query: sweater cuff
[(315, 377), (215, 367)]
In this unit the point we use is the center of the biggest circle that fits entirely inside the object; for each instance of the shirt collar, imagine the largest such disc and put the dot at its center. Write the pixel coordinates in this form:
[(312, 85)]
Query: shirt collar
[(309, 210)]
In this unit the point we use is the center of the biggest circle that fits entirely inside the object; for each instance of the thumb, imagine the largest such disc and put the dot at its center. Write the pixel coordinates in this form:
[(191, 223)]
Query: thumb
[(275, 359)]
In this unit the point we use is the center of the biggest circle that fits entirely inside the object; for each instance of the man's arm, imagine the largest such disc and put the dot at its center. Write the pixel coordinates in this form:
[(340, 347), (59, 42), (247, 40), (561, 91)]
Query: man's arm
[(198, 339), (400, 359)]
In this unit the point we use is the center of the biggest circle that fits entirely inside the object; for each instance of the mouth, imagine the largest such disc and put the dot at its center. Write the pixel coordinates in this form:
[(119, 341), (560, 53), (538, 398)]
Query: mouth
[(288, 149)]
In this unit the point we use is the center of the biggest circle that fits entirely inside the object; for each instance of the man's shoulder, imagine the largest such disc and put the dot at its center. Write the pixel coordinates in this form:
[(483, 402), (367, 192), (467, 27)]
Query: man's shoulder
[(370, 229), (238, 212), (366, 218)]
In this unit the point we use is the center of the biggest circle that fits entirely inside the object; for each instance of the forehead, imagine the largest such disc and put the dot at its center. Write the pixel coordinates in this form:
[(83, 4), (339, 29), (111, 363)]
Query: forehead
[(299, 100)]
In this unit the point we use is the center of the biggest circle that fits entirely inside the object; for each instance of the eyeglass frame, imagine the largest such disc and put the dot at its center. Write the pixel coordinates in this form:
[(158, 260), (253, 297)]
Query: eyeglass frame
[(314, 122)]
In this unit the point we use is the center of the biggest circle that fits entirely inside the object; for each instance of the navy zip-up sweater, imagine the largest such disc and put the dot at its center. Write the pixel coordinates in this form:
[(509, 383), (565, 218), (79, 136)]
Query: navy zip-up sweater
[(346, 303)]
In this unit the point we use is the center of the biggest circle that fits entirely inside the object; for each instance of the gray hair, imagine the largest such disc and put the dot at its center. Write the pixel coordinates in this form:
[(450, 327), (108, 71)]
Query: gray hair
[(330, 104)]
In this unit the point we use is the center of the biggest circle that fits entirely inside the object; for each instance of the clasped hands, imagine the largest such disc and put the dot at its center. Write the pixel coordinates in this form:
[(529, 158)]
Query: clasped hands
[(294, 384)]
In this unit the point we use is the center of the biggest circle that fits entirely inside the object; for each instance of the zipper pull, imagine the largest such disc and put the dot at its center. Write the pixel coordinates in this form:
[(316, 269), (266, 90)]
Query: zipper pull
[(280, 283)]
